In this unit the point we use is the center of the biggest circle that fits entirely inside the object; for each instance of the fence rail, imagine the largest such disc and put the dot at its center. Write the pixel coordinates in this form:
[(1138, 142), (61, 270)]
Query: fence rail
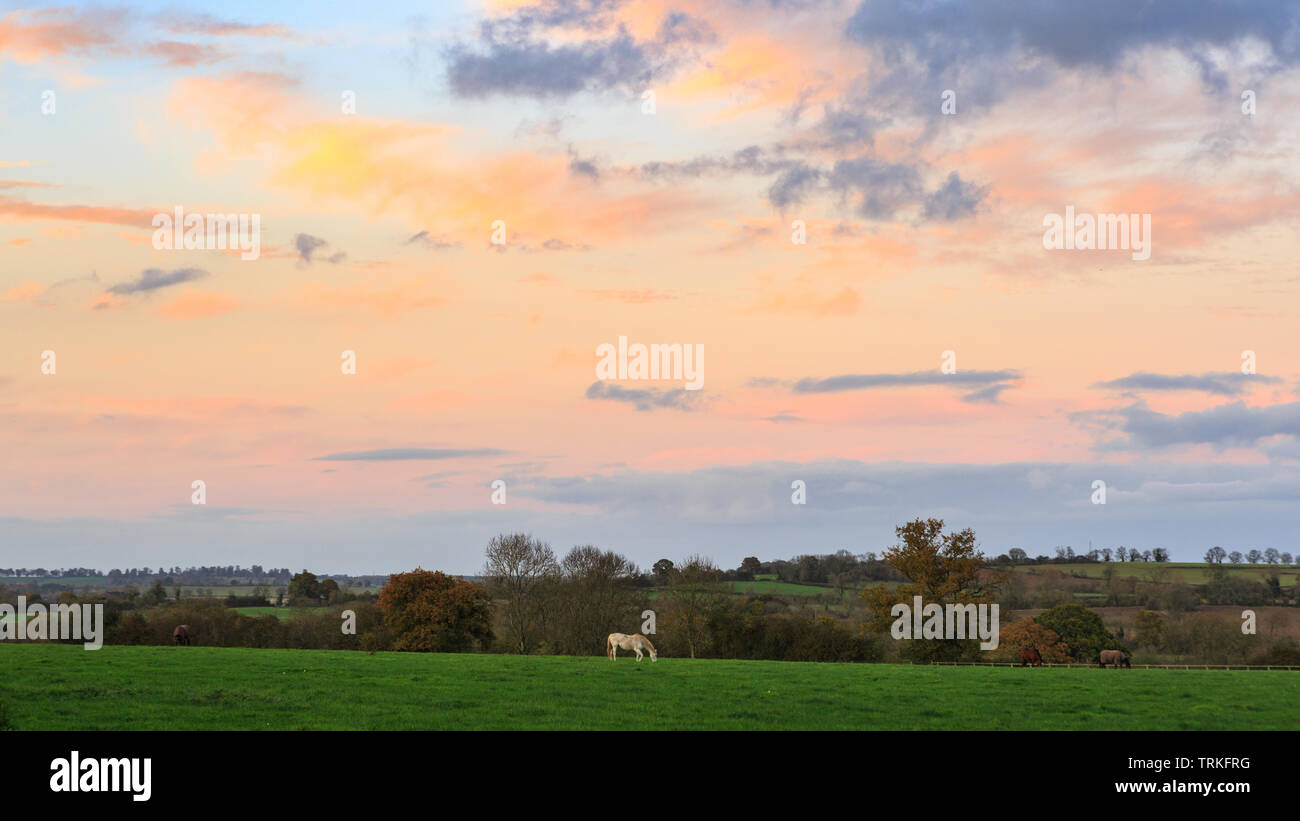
[(1138, 666)]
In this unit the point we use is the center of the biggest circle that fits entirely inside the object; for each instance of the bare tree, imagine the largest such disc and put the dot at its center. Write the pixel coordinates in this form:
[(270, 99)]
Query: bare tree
[(695, 591), (596, 598), (518, 570)]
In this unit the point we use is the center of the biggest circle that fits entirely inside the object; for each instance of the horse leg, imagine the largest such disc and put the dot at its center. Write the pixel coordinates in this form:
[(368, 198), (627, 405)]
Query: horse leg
[(638, 653)]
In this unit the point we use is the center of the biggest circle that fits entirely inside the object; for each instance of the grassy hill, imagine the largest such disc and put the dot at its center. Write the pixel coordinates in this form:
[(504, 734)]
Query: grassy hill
[(1188, 572), (61, 687)]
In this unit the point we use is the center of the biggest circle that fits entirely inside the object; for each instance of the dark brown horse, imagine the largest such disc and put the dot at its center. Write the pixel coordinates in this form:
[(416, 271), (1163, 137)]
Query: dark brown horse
[(181, 635), (1114, 657), (1029, 656)]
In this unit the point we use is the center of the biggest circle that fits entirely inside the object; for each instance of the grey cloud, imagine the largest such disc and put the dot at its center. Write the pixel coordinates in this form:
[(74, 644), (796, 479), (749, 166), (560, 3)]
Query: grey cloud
[(513, 56), (793, 186), (1230, 425), (399, 454), (154, 278), (538, 69), (1227, 383), (984, 48), (954, 199), (853, 382), (308, 245), (742, 510), (987, 395), (1067, 34), (783, 417), (645, 399), (881, 188), (432, 242), (582, 168)]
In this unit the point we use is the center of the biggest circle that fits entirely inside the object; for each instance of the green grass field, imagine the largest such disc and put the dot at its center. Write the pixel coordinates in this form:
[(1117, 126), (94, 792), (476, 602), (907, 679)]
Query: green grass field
[(280, 613), (61, 687)]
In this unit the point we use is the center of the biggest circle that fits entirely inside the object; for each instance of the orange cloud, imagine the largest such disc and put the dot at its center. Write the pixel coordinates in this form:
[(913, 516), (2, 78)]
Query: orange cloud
[(20, 209), (416, 170), (29, 36), (24, 292)]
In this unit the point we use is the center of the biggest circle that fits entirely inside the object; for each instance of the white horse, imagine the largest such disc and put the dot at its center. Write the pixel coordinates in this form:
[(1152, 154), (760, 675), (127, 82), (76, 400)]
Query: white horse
[(637, 643)]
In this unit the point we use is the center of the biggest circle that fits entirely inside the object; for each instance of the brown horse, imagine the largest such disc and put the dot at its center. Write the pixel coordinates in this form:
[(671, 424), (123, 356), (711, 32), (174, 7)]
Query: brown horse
[(1113, 657), (181, 635), (1030, 656)]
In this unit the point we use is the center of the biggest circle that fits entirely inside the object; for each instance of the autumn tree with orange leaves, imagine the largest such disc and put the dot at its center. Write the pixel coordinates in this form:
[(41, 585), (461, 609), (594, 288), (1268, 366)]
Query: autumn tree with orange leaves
[(941, 569), (1029, 633), (433, 612)]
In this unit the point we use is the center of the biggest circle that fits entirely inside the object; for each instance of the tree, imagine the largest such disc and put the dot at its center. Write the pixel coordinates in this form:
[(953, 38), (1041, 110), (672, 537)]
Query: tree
[(518, 570), (662, 569), (1235, 557), (432, 612), (304, 589), (328, 591), (694, 594), (1254, 557), (941, 569), (1271, 555), (1150, 628), (1017, 556), (1122, 553), (157, 594), (1286, 558), (750, 565), (1080, 628), (596, 598), (1029, 633), (1215, 555)]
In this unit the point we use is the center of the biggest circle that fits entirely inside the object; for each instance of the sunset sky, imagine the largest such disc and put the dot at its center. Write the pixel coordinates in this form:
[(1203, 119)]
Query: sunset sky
[(663, 219)]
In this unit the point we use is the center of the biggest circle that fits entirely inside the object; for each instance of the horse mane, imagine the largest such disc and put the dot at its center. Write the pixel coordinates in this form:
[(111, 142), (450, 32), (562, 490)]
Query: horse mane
[(646, 640)]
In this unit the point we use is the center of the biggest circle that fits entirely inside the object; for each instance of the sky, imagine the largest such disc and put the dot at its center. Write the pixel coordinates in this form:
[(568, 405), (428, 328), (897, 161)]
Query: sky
[(844, 206)]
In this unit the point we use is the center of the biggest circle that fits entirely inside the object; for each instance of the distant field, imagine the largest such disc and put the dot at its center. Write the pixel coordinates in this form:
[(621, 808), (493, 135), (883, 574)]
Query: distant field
[(1189, 572), (280, 613), (758, 588), (60, 687)]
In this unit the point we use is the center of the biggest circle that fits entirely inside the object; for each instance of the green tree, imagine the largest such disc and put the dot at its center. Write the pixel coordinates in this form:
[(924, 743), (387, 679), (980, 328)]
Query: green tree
[(304, 589), (662, 569), (1080, 628), (157, 594), (328, 591)]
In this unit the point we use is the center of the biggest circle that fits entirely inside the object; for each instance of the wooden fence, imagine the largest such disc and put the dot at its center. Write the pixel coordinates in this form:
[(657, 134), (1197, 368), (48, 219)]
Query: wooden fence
[(1135, 666)]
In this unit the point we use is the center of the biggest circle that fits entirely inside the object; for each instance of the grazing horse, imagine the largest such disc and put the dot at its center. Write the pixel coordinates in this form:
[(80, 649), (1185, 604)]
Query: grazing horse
[(1029, 656), (637, 643), (181, 635), (1115, 657)]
